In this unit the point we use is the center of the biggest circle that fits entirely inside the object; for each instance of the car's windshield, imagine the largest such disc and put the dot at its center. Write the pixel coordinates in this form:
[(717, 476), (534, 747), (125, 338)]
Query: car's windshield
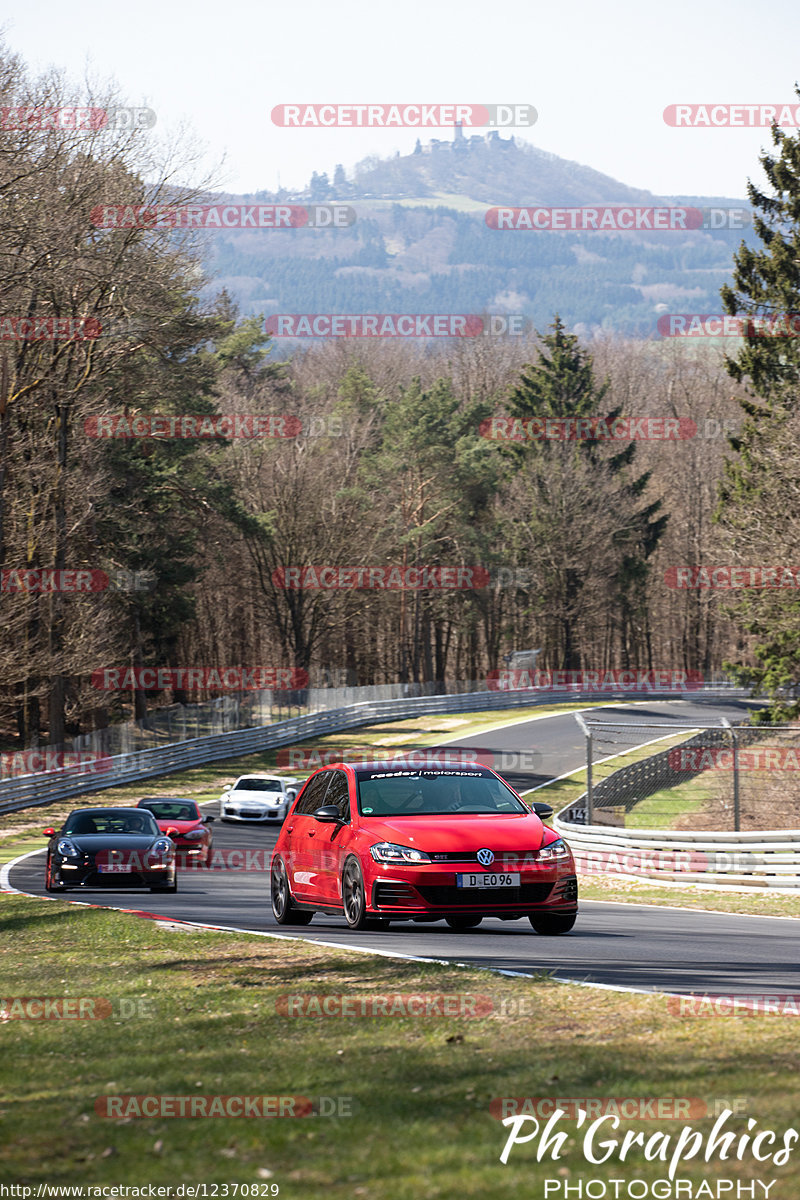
[(433, 793), (111, 822), (165, 810), (258, 785)]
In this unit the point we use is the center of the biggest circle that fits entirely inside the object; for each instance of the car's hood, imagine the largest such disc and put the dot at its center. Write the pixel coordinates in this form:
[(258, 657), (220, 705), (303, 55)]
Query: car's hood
[(89, 843), (495, 831), (181, 826)]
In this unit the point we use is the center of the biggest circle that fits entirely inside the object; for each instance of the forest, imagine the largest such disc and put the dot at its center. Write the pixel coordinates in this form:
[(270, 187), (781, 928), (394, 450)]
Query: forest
[(172, 489)]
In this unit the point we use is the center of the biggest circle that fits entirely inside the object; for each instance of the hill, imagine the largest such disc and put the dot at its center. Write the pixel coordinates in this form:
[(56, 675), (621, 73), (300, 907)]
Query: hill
[(421, 244)]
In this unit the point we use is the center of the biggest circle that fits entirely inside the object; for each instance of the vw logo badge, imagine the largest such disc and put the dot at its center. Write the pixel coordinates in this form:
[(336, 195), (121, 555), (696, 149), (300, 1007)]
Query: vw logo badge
[(485, 858)]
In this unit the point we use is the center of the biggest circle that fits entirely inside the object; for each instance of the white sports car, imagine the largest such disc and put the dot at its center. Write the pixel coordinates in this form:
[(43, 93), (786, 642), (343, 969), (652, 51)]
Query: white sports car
[(258, 798)]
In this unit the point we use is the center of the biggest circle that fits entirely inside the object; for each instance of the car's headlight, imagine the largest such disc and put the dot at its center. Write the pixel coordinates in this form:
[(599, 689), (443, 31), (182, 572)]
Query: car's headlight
[(162, 846), (554, 851), (67, 849), (193, 834), (388, 852)]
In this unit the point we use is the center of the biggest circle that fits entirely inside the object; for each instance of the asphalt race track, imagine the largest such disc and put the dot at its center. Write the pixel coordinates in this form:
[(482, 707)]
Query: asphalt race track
[(623, 945)]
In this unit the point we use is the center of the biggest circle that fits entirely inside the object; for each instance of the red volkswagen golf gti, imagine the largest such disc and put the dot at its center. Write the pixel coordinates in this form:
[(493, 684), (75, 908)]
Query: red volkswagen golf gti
[(420, 844)]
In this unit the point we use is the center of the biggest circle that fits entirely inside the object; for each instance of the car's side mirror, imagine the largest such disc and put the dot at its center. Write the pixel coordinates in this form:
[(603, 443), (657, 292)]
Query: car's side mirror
[(542, 810), (49, 832), (227, 787), (208, 820), (329, 814), (291, 794), (171, 831)]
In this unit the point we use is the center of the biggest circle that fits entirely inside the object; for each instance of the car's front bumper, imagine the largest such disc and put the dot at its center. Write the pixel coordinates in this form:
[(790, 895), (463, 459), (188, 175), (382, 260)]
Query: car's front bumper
[(89, 876), (416, 893), (254, 815), (190, 853)]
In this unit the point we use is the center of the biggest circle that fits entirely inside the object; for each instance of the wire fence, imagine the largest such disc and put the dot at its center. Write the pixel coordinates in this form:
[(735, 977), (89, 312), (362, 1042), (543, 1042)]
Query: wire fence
[(670, 775)]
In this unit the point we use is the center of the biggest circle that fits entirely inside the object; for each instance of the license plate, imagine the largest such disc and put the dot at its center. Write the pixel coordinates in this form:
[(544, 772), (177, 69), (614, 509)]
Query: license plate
[(114, 869), (494, 880)]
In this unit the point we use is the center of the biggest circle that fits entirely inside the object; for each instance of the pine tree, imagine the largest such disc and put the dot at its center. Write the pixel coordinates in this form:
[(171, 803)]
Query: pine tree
[(561, 385), (755, 514)]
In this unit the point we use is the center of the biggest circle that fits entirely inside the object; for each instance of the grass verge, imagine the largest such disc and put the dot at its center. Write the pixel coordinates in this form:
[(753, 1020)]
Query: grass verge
[(756, 902), (207, 1021)]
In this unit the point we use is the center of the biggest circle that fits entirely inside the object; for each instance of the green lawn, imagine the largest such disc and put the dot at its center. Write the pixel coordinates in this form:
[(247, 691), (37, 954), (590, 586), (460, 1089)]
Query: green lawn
[(200, 1014)]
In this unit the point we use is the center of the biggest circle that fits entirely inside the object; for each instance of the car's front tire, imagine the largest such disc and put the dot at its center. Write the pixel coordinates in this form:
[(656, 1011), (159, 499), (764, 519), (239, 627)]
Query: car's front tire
[(283, 908), (354, 900), (551, 924)]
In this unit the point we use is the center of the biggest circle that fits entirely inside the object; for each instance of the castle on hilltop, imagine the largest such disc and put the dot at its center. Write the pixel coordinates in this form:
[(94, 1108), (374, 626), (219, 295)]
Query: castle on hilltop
[(491, 139)]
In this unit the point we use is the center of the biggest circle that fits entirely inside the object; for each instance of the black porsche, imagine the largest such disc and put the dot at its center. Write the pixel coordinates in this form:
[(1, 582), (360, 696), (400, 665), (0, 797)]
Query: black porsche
[(110, 847)]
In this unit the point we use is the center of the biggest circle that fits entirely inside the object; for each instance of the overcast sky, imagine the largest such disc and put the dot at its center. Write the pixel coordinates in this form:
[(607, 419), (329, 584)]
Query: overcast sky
[(598, 74)]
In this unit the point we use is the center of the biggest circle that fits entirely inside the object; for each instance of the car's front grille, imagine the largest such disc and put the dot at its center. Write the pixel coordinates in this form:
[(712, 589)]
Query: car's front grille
[(528, 893), (471, 856), (103, 880)]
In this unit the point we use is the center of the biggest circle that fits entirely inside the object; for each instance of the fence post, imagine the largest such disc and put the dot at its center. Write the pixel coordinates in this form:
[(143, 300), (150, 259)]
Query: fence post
[(736, 818), (589, 789), (735, 740)]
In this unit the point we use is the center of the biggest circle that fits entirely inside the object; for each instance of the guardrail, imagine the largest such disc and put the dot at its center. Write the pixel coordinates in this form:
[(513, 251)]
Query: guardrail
[(767, 858), (28, 791)]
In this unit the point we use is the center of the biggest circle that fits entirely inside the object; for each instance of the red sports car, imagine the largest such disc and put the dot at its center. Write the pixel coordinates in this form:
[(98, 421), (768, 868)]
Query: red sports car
[(183, 821), (422, 844)]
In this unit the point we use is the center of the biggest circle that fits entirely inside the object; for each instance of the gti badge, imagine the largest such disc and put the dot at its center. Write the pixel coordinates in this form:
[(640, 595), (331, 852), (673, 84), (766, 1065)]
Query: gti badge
[(485, 858)]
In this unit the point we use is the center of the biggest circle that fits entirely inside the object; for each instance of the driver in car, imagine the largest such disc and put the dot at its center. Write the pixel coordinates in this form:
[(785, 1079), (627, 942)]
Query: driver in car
[(407, 800), (448, 794)]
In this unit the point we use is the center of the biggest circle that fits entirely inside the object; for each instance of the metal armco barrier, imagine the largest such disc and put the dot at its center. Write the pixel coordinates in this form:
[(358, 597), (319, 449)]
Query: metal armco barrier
[(28, 791), (767, 858)]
